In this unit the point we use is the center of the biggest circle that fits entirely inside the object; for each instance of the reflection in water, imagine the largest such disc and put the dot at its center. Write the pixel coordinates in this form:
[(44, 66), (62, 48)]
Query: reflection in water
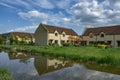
[(29, 67), (78, 72), (44, 65)]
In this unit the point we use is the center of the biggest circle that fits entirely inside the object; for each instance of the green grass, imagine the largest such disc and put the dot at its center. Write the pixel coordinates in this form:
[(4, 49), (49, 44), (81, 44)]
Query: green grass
[(83, 54), (5, 74)]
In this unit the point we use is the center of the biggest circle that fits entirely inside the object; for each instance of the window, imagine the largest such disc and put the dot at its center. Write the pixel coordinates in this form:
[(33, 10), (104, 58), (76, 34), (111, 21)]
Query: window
[(118, 43), (67, 41), (62, 41), (91, 35), (102, 34), (56, 41), (50, 41), (63, 35), (109, 42), (56, 34)]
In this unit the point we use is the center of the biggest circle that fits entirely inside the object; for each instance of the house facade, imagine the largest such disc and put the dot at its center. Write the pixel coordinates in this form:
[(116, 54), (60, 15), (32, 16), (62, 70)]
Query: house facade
[(47, 35), (19, 36), (108, 34), (44, 65)]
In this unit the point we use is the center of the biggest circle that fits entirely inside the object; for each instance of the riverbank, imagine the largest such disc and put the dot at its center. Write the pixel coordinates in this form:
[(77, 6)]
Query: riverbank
[(5, 74), (83, 54)]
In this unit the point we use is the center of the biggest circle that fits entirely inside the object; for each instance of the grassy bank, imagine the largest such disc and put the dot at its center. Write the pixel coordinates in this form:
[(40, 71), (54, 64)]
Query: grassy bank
[(5, 74), (109, 56)]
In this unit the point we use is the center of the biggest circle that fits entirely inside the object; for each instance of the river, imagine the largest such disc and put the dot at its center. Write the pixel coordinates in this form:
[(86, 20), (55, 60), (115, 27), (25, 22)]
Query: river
[(27, 66)]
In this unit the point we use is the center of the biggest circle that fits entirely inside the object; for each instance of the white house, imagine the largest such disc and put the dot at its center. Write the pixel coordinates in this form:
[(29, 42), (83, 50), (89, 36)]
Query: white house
[(46, 35), (107, 34)]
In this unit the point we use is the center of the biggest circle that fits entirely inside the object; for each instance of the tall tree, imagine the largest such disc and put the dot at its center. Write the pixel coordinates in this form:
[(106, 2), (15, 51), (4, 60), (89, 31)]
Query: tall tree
[(1, 39)]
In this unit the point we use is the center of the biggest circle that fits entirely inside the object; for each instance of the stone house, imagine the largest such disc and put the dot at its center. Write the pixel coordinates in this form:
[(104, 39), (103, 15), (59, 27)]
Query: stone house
[(107, 34), (44, 65), (20, 36), (47, 35)]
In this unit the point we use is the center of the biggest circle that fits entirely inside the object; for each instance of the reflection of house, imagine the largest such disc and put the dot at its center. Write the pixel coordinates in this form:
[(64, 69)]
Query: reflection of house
[(46, 35), (20, 36), (44, 65), (18, 55), (110, 35)]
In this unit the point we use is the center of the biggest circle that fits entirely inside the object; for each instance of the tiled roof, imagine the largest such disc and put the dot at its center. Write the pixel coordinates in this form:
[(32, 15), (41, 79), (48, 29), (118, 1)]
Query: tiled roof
[(108, 30), (52, 29), (22, 34)]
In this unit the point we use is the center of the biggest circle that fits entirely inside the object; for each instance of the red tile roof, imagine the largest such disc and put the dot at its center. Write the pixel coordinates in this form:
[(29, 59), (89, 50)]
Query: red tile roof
[(22, 34), (108, 30), (52, 29)]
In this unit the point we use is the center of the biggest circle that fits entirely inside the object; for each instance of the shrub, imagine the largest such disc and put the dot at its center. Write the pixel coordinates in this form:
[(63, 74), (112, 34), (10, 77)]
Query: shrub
[(66, 44), (5, 74), (104, 46)]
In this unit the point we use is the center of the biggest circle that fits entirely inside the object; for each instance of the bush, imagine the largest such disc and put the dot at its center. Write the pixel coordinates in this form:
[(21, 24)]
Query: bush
[(104, 46), (76, 45), (5, 74), (66, 44)]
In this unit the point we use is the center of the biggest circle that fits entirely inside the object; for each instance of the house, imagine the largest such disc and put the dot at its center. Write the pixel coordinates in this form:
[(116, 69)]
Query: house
[(107, 34), (19, 37), (47, 35), (45, 65)]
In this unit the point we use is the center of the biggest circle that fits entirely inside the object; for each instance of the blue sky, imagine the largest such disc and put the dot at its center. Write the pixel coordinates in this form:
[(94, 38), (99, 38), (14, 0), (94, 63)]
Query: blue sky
[(26, 15)]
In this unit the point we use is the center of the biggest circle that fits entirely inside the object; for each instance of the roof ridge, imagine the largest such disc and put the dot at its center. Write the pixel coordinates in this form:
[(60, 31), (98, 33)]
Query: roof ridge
[(108, 29), (51, 29), (54, 26), (105, 26)]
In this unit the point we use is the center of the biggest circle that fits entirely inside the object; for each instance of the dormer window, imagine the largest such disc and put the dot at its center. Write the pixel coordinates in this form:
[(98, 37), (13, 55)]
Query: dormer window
[(102, 34), (56, 34), (91, 35), (63, 35)]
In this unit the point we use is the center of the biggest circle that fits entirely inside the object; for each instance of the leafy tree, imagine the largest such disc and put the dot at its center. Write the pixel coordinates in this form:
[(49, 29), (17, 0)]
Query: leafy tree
[(15, 41), (1, 40)]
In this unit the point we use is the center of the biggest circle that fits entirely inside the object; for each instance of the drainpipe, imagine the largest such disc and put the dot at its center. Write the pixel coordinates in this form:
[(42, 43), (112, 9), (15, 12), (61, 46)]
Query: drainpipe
[(114, 40)]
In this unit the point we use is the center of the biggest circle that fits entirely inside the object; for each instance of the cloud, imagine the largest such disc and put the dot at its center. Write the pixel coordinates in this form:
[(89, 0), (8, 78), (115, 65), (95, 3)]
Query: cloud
[(24, 29), (63, 4), (115, 3), (7, 5), (15, 4), (28, 5), (67, 13), (66, 19), (33, 14), (43, 4), (54, 18), (94, 13)]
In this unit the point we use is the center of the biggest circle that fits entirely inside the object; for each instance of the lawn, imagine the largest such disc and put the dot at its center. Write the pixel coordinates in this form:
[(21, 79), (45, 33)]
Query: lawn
[(5, 74), (85, 54)]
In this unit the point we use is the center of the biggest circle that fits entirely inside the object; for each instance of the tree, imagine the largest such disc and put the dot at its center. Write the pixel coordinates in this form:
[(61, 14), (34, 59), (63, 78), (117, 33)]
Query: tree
[(1, 39), (15, 41)]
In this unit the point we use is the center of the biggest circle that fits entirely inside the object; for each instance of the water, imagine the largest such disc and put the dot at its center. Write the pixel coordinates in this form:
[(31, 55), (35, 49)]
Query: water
[(26, 66)]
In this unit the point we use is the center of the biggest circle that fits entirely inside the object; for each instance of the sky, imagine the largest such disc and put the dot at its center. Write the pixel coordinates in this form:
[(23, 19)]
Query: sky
[(26, 15)]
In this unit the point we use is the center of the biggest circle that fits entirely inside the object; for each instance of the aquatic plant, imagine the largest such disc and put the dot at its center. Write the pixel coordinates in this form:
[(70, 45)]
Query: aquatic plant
[(5, 74), (110, 56)]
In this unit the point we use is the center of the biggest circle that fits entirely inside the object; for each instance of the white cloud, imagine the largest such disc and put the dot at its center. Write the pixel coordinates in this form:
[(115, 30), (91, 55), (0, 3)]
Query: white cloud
[(28, 4), (24, 29), (66, 19), (94, 13), (15, 3), (79, 13), (115, 3), (44, 4), (7, 5), (63, 4), (33, 14)]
